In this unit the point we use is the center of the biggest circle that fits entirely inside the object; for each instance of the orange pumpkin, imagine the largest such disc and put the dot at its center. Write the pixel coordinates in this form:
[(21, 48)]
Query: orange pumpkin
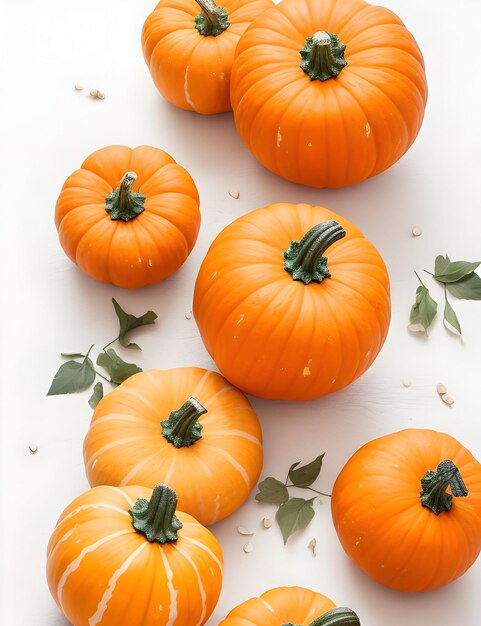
[(395, 519), (117, 559), (327, 93), (187, 427), (129, 217), (190, 53), (290, 606), (295, 328)]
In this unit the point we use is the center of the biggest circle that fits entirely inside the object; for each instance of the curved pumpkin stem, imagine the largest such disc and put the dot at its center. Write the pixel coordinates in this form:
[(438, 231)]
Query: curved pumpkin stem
[(213, 20), (155, 518), (304, 259), (123, 203), (340, 616), (323, 56), (181, 428), (434, 484)]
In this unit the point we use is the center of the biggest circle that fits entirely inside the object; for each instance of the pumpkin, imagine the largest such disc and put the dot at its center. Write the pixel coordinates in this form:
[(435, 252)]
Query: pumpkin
[(124, 557), (189, 48), (129, 217), (280, 319), (396, 520), (327, 93), (290, 606), (187, 427)]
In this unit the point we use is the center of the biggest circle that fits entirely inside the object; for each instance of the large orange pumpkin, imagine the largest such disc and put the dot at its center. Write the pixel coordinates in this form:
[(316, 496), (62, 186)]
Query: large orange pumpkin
[(328, 92), (189, 47), (129, 217), (280, 319), (396, 520), (117, 558), (290, 606), (187, 427)]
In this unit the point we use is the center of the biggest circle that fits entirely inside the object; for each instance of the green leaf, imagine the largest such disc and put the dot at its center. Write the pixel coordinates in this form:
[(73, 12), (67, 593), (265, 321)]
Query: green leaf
[(424, 309), (72, 377), (450, 316), (447, 271), (128, 322), (294, 515), (97, 395), (304, 476), (118, 369), (272, 491), (468, 288)]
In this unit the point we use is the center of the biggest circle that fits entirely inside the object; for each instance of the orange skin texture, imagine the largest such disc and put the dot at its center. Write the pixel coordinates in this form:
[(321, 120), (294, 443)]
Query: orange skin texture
[(283, 605), (384, 528), (148, 248), (343, 130), (213, 476), (193, 71), (275, 337), (142, 592)]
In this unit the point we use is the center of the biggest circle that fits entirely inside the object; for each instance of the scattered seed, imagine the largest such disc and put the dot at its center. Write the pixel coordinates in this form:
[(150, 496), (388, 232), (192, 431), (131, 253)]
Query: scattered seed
[(248, 547), (244, 531), (188, 316), (78, 87), (406, 382), (234, 193), (267, 522), (441, 389), (312, 545), (33, 448), (447, 399), (416, 231), (97, 95)]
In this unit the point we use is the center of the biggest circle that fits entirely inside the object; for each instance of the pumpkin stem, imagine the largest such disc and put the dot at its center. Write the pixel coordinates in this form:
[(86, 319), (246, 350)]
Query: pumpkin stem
[(323, 56), (213, 20), (123, 203), (181, 428), (156, 518), (435, 482), (340, 616), (304, 259)]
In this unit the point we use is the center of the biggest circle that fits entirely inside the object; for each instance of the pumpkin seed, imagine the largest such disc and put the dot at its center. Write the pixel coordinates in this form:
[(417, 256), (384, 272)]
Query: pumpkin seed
[(33, 448), (267, 522), (447, 399), (97, 95), (416, 231), (78, 87), (234, 193), (312, 545), (441, 389), (244, 531), (406, 382), (248, 547), (188, 316)]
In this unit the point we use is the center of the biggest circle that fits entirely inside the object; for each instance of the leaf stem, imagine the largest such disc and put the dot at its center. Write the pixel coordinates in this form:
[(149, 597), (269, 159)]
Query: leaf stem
[(101, 376), (418, 277), (321, 493), (111, 342), (430, 273)]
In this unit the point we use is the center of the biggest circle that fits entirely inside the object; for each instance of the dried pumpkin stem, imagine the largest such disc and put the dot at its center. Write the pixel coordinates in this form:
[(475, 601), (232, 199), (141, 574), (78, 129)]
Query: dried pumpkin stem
[(182, 428), (323, 56), (434, 484), (340, 616), (304, 258), (155, 518), (123, 203), (213, 20)]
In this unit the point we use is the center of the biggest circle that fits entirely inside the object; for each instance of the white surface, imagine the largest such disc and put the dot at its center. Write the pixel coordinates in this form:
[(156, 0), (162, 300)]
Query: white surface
[(49, 306)]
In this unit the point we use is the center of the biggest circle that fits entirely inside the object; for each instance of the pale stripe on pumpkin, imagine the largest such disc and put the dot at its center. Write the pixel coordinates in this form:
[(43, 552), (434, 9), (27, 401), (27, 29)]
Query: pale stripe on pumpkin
[(199, 581), (114, 444), (201, 383), (234, 464), (121, 417), (170, 586), (102, 606), (136, 468), (132, 392), (86, 507), (267, 605), (123, 494), (201, 546), (236, 433)]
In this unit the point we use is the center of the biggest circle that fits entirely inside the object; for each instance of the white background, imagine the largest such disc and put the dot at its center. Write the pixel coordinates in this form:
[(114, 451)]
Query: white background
[(48, 305)]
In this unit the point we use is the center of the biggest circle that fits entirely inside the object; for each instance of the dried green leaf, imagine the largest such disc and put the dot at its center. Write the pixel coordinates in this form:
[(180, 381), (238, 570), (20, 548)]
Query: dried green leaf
[(97, 395), (424, 309), (447, 271), (128, 322), (118, 369), (468, 288), (72, 355), (294, 515), (450, 317), (304, 476), (72, 377), (272, 491)]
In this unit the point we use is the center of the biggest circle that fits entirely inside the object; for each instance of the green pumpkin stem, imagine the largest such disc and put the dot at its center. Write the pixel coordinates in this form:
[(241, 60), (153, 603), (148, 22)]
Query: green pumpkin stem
[(340, 616), (182, 428), (304, 259), (213, 20), (434, 484), (155, 518), (123, 203), (323, 56)]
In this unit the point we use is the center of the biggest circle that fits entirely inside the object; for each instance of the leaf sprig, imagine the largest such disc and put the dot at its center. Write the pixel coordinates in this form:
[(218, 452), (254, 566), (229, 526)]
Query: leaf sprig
[(293, 514), (457, 277), (75, 376)]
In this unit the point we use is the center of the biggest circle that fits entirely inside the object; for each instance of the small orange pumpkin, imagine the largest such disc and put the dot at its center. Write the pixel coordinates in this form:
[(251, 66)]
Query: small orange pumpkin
[(129, 217), (327, 93), (187, 427), (290, 606), (117, 558), (395, 519), (280, 319), (190, 54)]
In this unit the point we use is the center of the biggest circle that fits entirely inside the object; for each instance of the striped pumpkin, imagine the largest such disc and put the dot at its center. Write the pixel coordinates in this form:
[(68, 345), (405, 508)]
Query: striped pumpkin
[(176, 426), (117, 559)]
